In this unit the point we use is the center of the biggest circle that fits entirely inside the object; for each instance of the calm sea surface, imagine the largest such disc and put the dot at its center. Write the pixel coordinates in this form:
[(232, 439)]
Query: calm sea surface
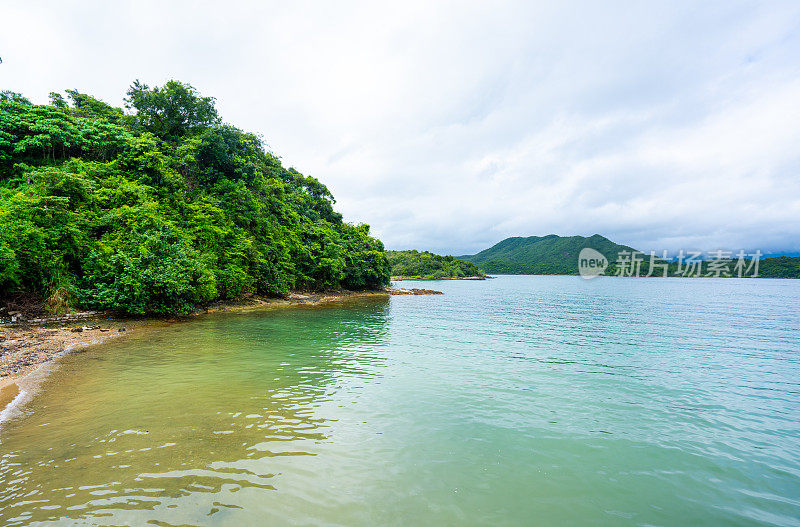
[(525, 400)]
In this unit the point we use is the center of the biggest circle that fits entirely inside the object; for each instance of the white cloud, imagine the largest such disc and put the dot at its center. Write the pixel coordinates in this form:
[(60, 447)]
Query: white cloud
[(451, 126)]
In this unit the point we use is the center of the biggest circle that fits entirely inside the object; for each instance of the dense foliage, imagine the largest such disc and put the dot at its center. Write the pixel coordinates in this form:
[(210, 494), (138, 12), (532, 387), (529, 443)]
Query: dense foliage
[(429, 266), (161, 209), (780, 267)]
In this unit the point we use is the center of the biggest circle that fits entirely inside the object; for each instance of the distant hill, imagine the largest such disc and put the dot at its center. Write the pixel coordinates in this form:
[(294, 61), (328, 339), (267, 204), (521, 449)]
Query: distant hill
[(554, 254), (549, 254), (429, 266)]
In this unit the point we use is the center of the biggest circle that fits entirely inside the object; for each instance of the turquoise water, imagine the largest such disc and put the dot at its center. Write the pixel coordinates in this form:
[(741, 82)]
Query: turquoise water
[(524, 400)]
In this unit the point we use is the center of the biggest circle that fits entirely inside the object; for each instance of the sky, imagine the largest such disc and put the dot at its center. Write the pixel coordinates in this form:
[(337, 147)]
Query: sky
[(449, 126)]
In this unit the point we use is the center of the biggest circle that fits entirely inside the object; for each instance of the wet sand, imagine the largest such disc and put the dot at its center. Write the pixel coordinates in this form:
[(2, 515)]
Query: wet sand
[(8, 391)]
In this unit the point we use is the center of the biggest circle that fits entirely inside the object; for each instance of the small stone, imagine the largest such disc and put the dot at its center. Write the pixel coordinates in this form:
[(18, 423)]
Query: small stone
[(121, 330), (77, 330)]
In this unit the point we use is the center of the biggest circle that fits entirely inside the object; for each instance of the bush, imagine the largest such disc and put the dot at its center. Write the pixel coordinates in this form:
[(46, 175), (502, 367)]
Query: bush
[(155, 273)]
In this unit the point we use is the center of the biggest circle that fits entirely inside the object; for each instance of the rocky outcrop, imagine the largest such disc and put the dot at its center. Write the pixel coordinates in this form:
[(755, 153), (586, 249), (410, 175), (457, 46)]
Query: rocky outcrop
[(414, 291)]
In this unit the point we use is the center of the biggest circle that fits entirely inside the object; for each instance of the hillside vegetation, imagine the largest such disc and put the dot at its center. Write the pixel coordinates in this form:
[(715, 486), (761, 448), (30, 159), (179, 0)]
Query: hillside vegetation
[(554, 254), (780, 267), (426, 265), (550, 254), (161, 209)]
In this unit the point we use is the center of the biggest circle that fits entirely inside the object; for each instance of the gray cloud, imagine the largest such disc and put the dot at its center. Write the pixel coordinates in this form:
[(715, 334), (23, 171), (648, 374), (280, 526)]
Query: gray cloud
[(452, 126)]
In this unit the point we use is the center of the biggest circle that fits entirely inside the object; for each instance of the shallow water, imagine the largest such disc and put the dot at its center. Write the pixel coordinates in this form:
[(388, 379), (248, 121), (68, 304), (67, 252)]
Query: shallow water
[(515, 401)]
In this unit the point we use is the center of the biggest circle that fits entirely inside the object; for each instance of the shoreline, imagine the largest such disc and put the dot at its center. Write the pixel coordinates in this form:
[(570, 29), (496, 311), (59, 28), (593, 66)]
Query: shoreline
[(26, 346)]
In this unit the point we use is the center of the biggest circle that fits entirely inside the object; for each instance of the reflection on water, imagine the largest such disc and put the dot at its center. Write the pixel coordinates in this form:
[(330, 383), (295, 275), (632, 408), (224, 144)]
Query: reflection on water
[(515, 401)]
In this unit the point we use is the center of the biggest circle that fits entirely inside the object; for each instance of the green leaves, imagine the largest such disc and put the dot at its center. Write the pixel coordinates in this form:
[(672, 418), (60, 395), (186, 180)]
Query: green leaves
[(164, 210), (172, 111), (11, 96), (153, 272), (87, 106), (366, 264), (47, 135), (429, 265)]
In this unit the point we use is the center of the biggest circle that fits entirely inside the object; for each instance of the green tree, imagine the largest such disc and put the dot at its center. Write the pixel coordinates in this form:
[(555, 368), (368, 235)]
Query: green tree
[(88, 106), (57, 100), (12, 96), (171, 111)]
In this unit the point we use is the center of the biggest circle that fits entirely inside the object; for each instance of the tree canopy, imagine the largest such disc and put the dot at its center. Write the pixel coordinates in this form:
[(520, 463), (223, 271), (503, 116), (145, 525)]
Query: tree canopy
[(162, 209), (172, 111)]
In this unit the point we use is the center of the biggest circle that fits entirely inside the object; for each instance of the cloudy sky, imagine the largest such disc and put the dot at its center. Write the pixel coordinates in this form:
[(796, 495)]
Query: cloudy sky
[(450, 126)]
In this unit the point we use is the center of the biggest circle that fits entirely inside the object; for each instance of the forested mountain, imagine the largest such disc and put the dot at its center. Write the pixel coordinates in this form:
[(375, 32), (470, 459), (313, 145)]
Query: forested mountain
[(161, 209), (554, 254), (550, 254), (427, 265)]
